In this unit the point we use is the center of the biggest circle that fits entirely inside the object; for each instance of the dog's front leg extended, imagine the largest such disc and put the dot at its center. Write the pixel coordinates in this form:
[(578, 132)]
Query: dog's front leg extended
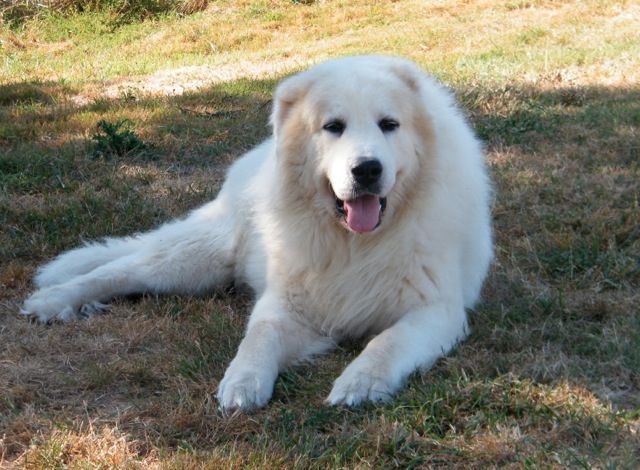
[(417, 340), (274, 340)]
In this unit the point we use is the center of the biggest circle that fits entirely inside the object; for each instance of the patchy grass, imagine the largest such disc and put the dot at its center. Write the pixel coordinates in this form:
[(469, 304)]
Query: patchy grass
[(549, 376)]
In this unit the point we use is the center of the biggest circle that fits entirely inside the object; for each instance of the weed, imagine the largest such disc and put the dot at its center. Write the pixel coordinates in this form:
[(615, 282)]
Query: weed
[(116, 139)]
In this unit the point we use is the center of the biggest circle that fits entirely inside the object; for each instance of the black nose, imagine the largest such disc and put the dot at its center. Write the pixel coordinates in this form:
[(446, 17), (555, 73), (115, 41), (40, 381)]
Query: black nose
[(367, 172)]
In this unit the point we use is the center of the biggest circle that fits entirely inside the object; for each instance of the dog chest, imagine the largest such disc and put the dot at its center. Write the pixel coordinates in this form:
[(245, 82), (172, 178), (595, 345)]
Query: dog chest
[(358, 298)]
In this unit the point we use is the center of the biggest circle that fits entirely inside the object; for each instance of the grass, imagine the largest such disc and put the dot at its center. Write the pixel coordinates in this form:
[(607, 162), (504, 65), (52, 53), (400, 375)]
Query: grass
[(549, 376)]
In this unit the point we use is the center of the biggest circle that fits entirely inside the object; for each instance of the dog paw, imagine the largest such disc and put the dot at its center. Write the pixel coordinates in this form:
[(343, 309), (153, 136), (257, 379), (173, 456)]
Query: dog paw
[(244, 389), (358, 383), (93, 308), (55, 303), (49, 304)]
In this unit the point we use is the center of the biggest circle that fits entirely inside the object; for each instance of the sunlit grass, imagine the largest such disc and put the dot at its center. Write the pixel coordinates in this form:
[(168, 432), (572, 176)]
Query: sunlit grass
[(549, 376), (470, 39)]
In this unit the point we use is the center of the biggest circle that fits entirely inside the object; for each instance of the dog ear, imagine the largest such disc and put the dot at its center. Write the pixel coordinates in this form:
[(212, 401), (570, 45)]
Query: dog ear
[(408, 72), (429, 96), (287, 94)]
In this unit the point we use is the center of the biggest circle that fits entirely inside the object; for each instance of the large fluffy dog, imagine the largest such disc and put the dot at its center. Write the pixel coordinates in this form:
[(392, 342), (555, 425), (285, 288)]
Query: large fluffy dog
[(367, 213)]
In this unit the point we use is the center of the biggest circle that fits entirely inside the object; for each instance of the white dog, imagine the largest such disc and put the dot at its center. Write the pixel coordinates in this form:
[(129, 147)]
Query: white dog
[(367, 213)]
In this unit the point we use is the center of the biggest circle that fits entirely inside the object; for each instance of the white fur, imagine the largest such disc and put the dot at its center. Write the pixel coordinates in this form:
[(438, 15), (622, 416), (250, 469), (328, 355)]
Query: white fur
[(274, 226)]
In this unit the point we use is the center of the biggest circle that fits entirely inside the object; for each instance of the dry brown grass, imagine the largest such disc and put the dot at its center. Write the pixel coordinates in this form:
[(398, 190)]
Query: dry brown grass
[(549, 377)]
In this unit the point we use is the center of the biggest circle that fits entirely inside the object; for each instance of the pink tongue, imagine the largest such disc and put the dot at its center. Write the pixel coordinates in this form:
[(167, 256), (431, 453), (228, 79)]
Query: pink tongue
[(363, 213)]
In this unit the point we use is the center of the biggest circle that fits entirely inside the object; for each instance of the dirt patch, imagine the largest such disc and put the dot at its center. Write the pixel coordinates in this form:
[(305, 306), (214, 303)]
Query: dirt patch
[(177, 81)]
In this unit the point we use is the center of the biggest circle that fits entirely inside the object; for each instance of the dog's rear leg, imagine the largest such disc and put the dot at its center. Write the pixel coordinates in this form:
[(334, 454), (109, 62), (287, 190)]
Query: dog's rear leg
[(85, 259), (188, 256)]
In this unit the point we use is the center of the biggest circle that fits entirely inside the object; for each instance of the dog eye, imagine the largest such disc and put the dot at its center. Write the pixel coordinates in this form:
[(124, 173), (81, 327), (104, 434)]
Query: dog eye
[(335, 126), (388, 124)]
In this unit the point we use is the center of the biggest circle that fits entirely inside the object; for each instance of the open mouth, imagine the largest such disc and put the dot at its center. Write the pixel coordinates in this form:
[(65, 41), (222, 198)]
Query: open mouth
[(363, 213)]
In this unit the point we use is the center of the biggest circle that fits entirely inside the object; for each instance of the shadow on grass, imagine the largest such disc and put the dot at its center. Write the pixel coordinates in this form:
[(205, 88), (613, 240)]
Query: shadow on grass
[(558, 307), (57, 190)]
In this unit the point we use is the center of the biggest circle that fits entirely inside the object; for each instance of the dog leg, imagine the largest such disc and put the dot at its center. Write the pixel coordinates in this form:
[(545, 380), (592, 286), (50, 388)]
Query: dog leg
[(273, 341), (188, 256), (85, 259), (417, 340)]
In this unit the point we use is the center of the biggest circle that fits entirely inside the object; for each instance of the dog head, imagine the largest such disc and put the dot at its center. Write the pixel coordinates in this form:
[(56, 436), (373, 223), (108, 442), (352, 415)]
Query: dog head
[(350, 133)]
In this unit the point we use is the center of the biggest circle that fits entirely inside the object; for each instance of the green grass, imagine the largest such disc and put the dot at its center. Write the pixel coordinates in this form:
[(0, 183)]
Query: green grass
[(549, 376)]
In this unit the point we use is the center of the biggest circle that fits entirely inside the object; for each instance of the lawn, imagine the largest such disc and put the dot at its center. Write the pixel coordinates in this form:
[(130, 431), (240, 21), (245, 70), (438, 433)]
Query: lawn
[(113, 121)]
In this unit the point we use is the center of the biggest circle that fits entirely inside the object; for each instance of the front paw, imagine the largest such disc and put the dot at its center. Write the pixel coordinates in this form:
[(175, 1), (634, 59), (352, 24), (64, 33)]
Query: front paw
[(360, 382), (245, 388), (51, 303)]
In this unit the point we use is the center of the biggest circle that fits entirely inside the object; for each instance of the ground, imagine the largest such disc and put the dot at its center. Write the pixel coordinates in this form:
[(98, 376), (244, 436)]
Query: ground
[(549, 376)]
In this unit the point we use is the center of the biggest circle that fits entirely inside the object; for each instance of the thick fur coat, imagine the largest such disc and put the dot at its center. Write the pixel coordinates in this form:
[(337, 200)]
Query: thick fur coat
[(366, 214)]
